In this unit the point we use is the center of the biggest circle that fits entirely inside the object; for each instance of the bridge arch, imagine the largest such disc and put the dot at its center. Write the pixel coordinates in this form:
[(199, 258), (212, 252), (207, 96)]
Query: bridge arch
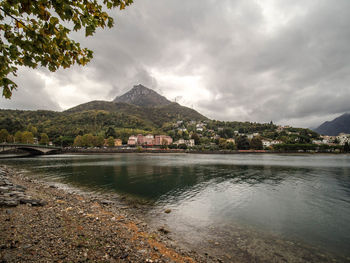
[(32, 149)]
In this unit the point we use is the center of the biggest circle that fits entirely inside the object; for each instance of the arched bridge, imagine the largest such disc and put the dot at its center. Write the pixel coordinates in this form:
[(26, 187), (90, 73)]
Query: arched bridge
[(33, 149)]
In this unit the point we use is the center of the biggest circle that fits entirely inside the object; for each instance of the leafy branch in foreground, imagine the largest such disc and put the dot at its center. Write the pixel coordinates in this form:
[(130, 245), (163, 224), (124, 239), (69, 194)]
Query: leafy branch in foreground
[(36, 33)]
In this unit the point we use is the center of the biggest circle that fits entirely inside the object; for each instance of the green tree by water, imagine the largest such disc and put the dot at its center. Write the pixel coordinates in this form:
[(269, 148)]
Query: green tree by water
[(88, 140), (44, 139), (242, 143), (99, 141), (78, 141), (110, 141), (27, 137), (18, 137), (346, 147), (256, 143), (3, 135)]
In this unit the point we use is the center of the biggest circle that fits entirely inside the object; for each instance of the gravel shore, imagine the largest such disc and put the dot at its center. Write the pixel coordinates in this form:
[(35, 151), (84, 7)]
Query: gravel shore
[(41, 223)]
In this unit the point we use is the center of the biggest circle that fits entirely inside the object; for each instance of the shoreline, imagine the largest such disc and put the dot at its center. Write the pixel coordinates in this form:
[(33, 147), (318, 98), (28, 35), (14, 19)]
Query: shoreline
[(71, 227), (74, 225), (113, 150)]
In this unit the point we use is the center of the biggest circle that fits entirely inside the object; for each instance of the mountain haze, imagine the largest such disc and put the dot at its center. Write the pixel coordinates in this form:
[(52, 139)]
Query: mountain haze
[(336, 126)]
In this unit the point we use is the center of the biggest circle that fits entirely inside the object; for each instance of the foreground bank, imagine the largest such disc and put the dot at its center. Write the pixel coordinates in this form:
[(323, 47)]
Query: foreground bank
[(72, 227)]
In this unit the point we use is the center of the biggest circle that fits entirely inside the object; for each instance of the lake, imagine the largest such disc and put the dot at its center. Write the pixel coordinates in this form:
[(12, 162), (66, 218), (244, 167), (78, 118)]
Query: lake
[(225, 204)]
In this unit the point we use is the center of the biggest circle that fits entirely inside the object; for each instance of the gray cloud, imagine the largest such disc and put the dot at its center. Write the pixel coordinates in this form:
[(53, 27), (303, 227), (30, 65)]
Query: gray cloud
[(251, 60), (31, 94)]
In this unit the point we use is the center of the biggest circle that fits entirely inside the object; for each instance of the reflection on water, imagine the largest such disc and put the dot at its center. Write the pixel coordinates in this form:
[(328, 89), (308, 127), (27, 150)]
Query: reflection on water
[(301, 197)]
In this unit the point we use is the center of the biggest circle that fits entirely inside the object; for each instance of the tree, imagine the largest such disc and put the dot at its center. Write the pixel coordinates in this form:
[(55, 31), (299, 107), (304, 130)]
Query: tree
[(36, 33), (222, 143), (110, 141), (78, 142), (27, 137), (99, 141), (242, 143), (195, 137), (3, 135), (110, 132), (88, 140), (18, 137), (32, 129), (64, 141), (256, 143), (346, 147), (44, 139)]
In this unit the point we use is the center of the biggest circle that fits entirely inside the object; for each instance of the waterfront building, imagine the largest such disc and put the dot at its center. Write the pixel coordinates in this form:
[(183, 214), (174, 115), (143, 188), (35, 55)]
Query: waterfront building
[(132, 140), (163, 140), (149, 139), (118, 142), (189, 143)]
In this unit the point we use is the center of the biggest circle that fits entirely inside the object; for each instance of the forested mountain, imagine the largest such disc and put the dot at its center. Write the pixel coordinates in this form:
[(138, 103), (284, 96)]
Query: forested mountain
[(336, 126), (97, 116)]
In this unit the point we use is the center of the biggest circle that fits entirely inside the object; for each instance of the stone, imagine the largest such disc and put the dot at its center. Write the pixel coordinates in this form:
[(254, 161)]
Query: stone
[(11, 203), (124, 256), (164, 230), (106, 202), (167, 211)]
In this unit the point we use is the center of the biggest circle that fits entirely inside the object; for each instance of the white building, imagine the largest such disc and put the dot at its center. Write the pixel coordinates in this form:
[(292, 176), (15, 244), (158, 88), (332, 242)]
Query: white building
[(189, 143)]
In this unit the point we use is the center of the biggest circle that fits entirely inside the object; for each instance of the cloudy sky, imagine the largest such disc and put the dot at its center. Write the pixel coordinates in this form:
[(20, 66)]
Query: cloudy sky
[(257, 60)]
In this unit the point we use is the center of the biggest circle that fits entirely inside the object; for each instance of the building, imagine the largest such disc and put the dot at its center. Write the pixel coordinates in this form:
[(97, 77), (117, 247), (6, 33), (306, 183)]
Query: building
[(268, 143), (118, 142), (140, 139), (163, 140), (149, 139), (231, 140), (189, 143), (132, 140)]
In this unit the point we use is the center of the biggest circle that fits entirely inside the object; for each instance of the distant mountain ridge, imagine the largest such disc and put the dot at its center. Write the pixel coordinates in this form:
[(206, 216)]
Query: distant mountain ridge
[(141, 96), (336, 126)]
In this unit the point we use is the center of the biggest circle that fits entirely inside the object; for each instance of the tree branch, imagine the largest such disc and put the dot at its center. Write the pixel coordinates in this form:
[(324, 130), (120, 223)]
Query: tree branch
[(18, 21)]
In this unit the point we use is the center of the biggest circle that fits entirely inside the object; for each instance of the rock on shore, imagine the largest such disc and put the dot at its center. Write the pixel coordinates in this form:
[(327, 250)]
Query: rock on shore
[(39, 223)]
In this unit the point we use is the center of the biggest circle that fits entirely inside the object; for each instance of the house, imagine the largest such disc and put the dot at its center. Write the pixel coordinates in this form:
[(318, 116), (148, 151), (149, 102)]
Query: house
[(231, 140), (140, 139), (163, 140), (268, 143), (189, 143), (132, 140), (149, 139), (118, 142)]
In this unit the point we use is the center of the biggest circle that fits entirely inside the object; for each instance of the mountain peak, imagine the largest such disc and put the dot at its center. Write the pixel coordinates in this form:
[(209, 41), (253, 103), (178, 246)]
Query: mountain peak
[(142, 96)]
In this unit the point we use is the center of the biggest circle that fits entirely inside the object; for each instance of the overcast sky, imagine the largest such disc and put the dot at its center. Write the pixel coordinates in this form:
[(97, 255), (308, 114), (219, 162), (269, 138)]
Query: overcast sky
[(262, 60)]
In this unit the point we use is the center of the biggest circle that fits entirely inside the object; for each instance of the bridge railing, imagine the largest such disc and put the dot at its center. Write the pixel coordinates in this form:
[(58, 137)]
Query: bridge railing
[(29, 145)]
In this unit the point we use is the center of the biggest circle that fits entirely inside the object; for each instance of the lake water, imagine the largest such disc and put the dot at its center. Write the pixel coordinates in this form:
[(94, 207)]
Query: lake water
[(224, 203)]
